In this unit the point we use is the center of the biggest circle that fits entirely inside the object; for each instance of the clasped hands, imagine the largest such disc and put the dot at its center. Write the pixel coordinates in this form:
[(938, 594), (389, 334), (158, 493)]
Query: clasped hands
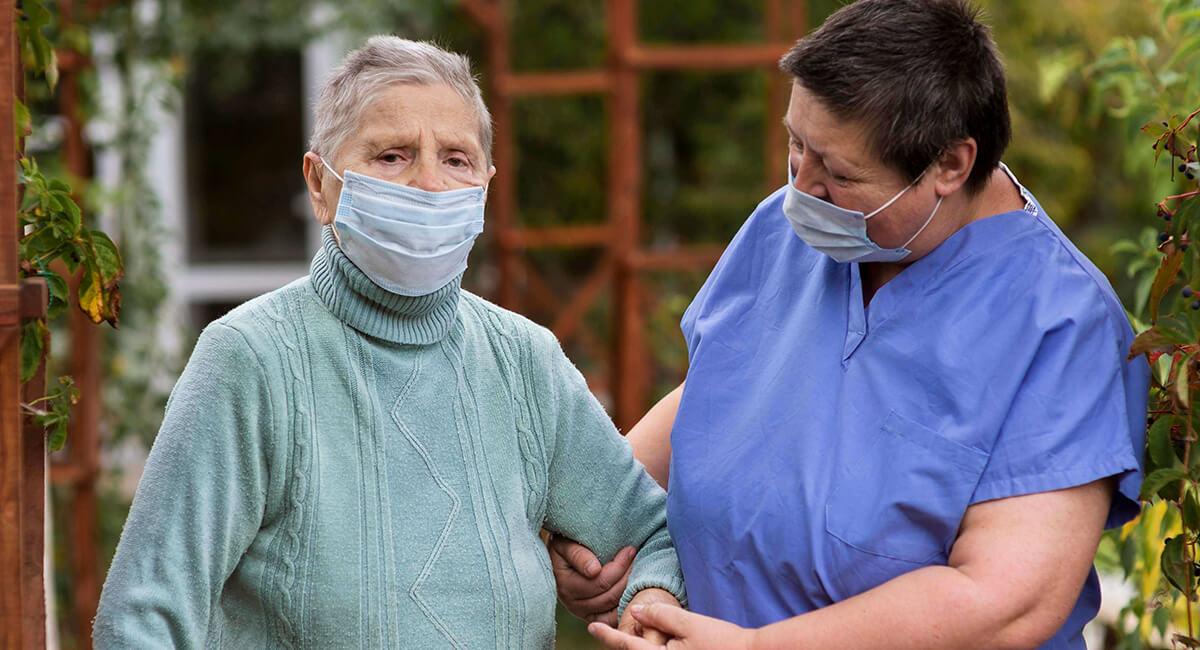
[(653, 618)]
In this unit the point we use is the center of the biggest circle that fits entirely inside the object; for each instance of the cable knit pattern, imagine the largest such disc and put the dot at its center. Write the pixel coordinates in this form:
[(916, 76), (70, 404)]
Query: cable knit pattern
[(341, 466)]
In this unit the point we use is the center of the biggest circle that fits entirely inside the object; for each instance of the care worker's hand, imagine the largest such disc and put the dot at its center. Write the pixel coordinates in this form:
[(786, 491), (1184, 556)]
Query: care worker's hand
[(587, 589), (642, 598), (689, 631)]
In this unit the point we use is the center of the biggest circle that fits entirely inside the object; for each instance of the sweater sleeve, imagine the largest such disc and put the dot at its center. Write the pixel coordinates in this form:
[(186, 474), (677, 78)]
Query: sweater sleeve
[(599, 494), (198, 505)]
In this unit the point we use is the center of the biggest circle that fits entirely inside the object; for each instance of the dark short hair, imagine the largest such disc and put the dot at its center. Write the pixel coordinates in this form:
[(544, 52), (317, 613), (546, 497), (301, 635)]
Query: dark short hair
[(918, 74)]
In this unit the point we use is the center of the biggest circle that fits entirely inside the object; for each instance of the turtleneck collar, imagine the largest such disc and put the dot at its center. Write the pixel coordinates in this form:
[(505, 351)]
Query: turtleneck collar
[(375, 311)]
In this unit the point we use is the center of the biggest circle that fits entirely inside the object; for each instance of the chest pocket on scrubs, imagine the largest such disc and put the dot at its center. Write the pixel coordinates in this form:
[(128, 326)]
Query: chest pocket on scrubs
[(905, 494)]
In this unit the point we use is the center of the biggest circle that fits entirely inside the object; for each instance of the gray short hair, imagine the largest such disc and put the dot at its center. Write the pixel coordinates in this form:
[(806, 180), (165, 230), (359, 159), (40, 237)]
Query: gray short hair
[(382, 62)]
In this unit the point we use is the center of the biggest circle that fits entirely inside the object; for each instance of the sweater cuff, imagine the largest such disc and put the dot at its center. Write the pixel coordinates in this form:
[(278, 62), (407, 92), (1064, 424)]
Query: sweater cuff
[(673, 584)]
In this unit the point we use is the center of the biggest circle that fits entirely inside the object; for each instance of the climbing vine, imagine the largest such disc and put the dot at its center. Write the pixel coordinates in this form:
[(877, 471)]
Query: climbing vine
[(54, 231)]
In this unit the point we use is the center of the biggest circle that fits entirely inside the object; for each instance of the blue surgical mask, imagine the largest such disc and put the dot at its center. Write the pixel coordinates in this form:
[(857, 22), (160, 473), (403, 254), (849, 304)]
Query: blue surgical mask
[(407, 240), (840, 233)]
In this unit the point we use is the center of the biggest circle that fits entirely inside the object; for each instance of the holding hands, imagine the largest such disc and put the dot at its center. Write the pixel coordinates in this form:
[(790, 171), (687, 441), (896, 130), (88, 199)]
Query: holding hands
[(669, 626)]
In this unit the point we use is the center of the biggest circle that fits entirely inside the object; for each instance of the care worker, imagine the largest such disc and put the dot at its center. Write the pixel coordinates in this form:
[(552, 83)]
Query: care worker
[(366, 457), (908, 415)]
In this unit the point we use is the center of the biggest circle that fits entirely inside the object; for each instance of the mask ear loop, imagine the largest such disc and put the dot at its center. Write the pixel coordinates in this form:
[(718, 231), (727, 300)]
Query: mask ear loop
[(333, 224), (331, 170), (897, 197), (926, 224)]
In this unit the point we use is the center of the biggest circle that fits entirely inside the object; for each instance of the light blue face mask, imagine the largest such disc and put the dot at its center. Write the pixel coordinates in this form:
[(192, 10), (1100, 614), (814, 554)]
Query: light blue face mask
[(840, 233), (407, 240)]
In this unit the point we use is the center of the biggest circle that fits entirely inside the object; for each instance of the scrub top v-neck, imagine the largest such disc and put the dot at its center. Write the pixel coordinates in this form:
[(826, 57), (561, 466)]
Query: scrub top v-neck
[(823, 447)]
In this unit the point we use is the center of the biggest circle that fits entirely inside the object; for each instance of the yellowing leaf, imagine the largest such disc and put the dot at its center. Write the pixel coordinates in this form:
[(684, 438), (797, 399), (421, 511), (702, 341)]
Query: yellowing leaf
[(1181, 384), (1163, 281)]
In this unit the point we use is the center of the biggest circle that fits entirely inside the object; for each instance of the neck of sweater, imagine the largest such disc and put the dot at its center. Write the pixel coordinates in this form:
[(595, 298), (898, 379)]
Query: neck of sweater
[(360, 303)]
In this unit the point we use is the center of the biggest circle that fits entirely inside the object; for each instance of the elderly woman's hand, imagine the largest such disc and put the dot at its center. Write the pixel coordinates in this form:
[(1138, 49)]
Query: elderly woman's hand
[(640, 600)]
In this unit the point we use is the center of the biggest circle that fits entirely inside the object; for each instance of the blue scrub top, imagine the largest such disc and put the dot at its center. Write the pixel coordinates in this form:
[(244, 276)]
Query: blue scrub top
[(822, 448)]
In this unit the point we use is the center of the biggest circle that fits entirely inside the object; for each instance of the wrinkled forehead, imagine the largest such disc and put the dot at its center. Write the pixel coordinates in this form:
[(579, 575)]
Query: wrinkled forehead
[(403, 109)]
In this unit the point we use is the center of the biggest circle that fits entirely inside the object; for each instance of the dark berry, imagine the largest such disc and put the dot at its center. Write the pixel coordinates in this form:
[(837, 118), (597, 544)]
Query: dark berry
[(1187, 292), (1191, 176), (1196, 304), (1166, 125), (1162, 236), (1182, 167)]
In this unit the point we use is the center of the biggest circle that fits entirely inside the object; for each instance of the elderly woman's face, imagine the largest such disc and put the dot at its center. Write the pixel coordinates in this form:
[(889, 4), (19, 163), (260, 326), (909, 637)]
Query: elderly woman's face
[(833, 160), (421, 136)]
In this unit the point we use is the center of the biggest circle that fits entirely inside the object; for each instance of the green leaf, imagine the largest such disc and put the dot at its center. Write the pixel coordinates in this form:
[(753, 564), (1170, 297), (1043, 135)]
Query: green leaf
[(108, 257), (1159, 479), (1160, 619), (34, 336), (1161, 336), (1181, 381), (1163, 280), (51, 70), (1184, 52), (1159, 449), (59, 295), (1130, 549), (24, 122), (1175, 566), (1191, 511)]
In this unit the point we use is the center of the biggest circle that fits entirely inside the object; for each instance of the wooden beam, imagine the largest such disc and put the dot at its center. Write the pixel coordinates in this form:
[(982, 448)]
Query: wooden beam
[(556, 236), (570, 318), (705, 57), (683, 258), (581, 82)]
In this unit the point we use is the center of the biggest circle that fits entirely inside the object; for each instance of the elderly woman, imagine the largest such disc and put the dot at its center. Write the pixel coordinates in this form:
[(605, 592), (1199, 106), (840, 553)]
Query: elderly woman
[(908, 414), (366, 456)]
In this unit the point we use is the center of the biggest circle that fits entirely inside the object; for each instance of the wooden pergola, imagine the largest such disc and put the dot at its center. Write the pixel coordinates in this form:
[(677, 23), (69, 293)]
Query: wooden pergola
[(625, 257), (23, 460), (22, 447), (620, 237)]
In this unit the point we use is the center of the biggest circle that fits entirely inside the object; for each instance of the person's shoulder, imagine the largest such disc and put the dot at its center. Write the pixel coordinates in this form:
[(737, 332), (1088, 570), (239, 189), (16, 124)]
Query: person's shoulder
[(257, 321), (494, 321), (1028, 269), (765, 241)]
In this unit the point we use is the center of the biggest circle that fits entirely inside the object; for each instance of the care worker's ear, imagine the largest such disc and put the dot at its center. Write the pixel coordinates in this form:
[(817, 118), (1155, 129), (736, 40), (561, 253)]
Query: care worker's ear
[(953, 167), (323, 188)]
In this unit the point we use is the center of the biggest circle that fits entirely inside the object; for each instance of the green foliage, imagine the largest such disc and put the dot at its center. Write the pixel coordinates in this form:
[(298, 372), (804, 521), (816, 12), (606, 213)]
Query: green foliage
[(53, 412), (54, 230), (1139, 75), (37, 52)]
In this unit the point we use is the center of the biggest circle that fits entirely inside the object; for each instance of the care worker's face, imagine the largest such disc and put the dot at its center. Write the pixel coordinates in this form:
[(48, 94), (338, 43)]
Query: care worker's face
[(425, 137), (833, 161)]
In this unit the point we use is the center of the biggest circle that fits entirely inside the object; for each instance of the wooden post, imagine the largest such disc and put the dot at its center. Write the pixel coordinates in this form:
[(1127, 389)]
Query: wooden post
[(624, 211), (84, 428), (629, 365), (34, 296), (11, 450)]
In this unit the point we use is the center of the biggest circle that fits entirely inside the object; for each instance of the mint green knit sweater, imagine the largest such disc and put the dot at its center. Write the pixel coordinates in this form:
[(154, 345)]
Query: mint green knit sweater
[(340, 466)]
